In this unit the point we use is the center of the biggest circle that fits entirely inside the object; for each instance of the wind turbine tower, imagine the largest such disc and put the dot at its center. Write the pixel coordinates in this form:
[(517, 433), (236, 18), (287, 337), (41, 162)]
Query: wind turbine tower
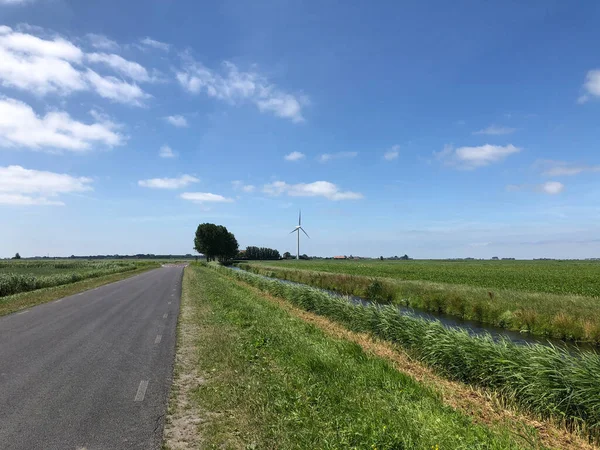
[(297, 230)]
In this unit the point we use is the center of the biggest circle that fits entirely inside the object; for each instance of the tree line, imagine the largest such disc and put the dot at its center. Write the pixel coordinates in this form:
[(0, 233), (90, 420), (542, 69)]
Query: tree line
[(216, 242), (259, 253)]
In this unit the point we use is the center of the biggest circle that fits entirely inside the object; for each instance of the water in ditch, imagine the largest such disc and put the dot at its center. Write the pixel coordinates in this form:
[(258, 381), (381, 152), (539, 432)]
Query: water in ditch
[(474, 328)]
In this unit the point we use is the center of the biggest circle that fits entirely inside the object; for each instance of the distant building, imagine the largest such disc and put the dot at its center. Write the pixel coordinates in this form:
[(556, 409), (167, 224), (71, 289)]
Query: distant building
[(339, 257)]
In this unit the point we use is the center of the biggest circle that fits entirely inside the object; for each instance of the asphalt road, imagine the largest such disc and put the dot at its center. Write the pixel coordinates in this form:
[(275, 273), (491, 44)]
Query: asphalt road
[(93, 370)]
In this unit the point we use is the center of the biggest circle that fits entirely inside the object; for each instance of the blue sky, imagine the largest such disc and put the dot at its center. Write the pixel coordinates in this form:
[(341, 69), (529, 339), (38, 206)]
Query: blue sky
[(435, 129)]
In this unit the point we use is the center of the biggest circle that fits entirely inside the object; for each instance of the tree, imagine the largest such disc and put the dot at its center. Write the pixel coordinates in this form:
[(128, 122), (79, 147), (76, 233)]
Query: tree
[(261, 253), (215, 241), (17, 256), (287, 255), (228, 246)]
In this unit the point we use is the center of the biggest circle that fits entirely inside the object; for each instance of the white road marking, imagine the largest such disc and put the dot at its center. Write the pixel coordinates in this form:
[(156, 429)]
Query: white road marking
[(23, 312), (165, 315), (59, 300), (141, 392), (158, 339)]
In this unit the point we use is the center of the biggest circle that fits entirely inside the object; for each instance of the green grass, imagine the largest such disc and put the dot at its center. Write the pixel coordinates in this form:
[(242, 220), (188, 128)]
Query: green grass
[(551, 277), (566, 316), (271, 380), (25, 276), (17, 302), (544, 380)]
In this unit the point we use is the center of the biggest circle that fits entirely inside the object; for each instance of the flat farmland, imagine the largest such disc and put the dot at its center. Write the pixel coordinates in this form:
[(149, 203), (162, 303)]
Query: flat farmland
[(17, 276), (559, 299), (553, 277)]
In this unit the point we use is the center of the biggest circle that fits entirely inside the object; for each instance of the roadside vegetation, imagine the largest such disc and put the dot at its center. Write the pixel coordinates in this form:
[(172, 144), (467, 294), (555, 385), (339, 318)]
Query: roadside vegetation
[(544, 380), (23, 276), (562, 316), (23, 300), (249, 374)]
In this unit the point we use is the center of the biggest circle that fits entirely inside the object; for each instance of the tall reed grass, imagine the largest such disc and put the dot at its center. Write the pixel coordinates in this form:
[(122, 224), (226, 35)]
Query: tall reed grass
[(569, 317), (545, 380), (14, 283)]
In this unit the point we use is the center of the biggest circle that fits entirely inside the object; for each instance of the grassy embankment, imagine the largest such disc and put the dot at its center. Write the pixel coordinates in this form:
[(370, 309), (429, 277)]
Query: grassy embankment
[(546, 381), (501, 299), (13, 303), (250, 373)]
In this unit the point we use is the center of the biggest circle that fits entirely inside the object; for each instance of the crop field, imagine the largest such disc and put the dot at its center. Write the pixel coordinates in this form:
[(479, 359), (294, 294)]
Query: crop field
[(25, 276), (552, 277), (546, 298)]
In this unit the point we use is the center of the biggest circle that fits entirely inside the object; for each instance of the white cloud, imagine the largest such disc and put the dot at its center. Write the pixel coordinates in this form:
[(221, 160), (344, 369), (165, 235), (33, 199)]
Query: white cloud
[(315, 189), (120, 65), (168, 183), (155, 44), (474, 157), (101, 42), (20, 186), (38, 65), (166, 152), (20, 126), (495, 130), (591, 86), (205, 197), (240, 186), (325, 157), (32, 45), (237, 87), (552, 187), (116, 90), (392, 153), (552, 168), (294, 156), (55, 65), (177, 121)]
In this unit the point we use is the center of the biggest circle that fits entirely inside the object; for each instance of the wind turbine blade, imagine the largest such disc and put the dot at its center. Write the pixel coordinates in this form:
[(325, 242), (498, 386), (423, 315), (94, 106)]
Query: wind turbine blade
[(294, 230), (299, 217), (305, 232)]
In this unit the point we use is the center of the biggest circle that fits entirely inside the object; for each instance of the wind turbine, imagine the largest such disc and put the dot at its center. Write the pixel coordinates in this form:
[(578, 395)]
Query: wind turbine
[(297, 230)]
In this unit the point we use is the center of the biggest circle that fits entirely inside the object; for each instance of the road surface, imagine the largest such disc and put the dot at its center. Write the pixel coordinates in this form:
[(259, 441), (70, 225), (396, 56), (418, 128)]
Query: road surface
[(93, 370)]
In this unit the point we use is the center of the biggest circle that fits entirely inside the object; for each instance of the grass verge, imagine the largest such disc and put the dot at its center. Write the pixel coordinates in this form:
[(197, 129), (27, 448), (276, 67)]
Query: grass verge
[(571, 317), (545, 380), (17, 302), (249, 374)]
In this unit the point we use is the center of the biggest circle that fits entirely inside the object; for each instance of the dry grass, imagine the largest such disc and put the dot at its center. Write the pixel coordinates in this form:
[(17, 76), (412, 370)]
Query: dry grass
[(184, 418), (190, 424)]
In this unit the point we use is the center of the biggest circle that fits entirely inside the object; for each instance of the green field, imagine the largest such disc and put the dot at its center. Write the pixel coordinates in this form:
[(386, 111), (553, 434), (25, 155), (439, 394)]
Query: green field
[(547, 298), (552, 277), (249, 374), (17, 276)]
